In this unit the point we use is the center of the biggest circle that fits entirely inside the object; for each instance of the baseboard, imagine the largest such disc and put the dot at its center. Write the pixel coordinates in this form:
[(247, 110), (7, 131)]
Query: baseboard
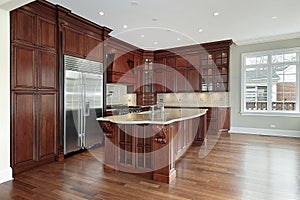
[(6, 175), (268, 132)]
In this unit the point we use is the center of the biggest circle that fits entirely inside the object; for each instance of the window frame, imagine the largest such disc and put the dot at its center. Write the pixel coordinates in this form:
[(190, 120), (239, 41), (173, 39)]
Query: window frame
[(269, 65)]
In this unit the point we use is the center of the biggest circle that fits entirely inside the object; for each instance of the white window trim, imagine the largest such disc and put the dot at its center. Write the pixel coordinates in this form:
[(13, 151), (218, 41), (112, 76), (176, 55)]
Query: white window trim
[(243, 111)]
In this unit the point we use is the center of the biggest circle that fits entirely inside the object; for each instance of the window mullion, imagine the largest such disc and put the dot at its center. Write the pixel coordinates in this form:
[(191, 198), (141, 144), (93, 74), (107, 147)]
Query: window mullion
[(298, 82), (269, 83)]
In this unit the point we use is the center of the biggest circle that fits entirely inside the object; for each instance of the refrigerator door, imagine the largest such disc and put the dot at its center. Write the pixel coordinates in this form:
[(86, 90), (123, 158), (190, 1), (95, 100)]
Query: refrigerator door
[(73, 125), (93, 108)]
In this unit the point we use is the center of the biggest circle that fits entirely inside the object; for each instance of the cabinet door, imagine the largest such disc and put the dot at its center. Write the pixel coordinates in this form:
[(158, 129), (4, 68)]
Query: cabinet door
[(47, 70), (93, 48), (224, 119), (46, 33), (73, 42), (23, 128), (23, 27), (170, 80), (181, 75), (23, 68), (159, 79), (126, 144), (170, 74), (47, 124), (181, 78), (138, 67), (194, 80), (212, 120)]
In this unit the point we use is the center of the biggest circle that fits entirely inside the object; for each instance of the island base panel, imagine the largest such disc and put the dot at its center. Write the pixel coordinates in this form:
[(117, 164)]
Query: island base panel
[(165, 178)]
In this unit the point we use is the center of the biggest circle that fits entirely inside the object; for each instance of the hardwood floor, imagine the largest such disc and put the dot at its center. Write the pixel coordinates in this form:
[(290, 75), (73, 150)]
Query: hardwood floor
[(237, 167)]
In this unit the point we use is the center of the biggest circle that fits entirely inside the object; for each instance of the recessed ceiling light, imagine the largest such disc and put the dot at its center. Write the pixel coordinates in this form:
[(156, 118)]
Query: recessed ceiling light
[(142, 35), (125, 26), (101, 13), (154, 19), (155, 42), (274, 17), (216, 14), (134, 3), (178, 39), (200, 30)]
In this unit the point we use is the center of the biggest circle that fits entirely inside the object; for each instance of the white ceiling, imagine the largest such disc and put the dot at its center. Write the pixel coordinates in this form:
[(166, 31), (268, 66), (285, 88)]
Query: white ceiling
[(178, 21)]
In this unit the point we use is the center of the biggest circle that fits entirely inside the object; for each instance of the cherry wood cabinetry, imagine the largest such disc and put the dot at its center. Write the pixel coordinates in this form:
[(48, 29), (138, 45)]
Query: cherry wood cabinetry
[(198, 68), (123, 63), (170, 74), (159, 79), (80, 37), (35, 29), (34, 86), (218, 120), (38, 30), (201, 131), (23, 67), (47, 72), (73, 41), (34, 127), (149, 149), (23, 129), (215, 70), (146, 98)]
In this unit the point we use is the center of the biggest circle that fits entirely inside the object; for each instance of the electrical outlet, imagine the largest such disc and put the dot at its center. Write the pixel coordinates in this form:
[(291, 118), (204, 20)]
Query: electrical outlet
[(272, 125)]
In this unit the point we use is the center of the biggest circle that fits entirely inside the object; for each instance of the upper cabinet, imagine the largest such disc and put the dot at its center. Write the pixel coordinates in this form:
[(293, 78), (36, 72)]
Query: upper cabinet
[(46, 33), (24, 27), (80, 37), (214, 64), (123, 62), (72, 41), (197, 68), (214, 70), (34, 48), (32, 29)]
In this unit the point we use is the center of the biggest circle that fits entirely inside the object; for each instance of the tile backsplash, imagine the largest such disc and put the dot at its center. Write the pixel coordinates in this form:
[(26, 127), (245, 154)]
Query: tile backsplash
[(204, 99), (117, 95)]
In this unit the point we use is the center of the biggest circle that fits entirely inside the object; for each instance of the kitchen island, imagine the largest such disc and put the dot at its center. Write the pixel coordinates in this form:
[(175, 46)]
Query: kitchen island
[(150, 142)]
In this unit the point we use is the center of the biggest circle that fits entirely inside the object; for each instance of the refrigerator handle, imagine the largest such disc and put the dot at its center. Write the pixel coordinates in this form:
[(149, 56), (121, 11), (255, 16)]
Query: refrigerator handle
[(87, 108), (82, 116)]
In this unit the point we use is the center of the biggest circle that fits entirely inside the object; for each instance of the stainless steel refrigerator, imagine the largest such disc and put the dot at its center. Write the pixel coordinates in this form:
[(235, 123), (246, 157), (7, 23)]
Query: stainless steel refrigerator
[(83, 103)]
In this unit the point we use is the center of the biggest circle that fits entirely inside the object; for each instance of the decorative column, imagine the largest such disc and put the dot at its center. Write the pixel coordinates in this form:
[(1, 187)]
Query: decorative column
[(163, 153)]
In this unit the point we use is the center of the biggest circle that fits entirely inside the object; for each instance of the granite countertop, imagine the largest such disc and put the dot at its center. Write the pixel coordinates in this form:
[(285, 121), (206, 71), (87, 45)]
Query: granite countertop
[(169, 116)]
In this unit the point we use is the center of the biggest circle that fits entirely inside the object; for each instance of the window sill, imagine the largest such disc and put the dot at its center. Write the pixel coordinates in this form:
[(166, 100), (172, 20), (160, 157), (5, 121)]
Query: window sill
[(270, 114)]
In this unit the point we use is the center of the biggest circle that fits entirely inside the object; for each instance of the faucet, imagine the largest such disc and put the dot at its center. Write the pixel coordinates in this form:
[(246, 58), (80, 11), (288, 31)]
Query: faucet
[(161, 105)]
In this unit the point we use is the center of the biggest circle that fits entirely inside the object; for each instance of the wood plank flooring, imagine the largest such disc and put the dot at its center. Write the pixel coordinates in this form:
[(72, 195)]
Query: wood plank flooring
[(237, 167)]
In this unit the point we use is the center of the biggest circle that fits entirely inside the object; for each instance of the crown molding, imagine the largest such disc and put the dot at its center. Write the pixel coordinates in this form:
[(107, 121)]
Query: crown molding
[(268, 39)]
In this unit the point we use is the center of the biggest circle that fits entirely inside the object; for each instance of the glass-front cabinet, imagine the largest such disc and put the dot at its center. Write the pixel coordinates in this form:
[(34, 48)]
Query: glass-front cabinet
[(214, 71)]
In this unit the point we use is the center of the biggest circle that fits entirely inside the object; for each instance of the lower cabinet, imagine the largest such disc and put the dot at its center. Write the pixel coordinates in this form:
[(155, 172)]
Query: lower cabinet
[(135, 147), (218, 119), (34, 129), (201, 130)]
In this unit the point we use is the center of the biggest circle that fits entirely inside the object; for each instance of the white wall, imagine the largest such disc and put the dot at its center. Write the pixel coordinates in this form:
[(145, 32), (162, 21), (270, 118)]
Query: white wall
[(288, 126), (5, 7), (5, 170)]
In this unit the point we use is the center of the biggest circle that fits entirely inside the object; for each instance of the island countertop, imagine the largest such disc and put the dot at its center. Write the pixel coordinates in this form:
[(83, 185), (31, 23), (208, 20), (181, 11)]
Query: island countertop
[(169, 115)]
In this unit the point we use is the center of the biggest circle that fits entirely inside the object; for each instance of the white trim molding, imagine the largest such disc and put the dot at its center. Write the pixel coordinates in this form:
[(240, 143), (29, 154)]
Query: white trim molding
[(268, 39), (267, 132), (6, 175)]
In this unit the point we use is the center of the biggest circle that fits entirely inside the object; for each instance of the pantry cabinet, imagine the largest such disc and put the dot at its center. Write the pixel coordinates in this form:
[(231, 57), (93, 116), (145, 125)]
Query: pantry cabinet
[(34, 128), (41, 33), (34, 86)]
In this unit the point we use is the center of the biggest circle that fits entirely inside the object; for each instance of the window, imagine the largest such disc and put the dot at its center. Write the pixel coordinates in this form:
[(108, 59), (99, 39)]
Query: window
[(270, 81)]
